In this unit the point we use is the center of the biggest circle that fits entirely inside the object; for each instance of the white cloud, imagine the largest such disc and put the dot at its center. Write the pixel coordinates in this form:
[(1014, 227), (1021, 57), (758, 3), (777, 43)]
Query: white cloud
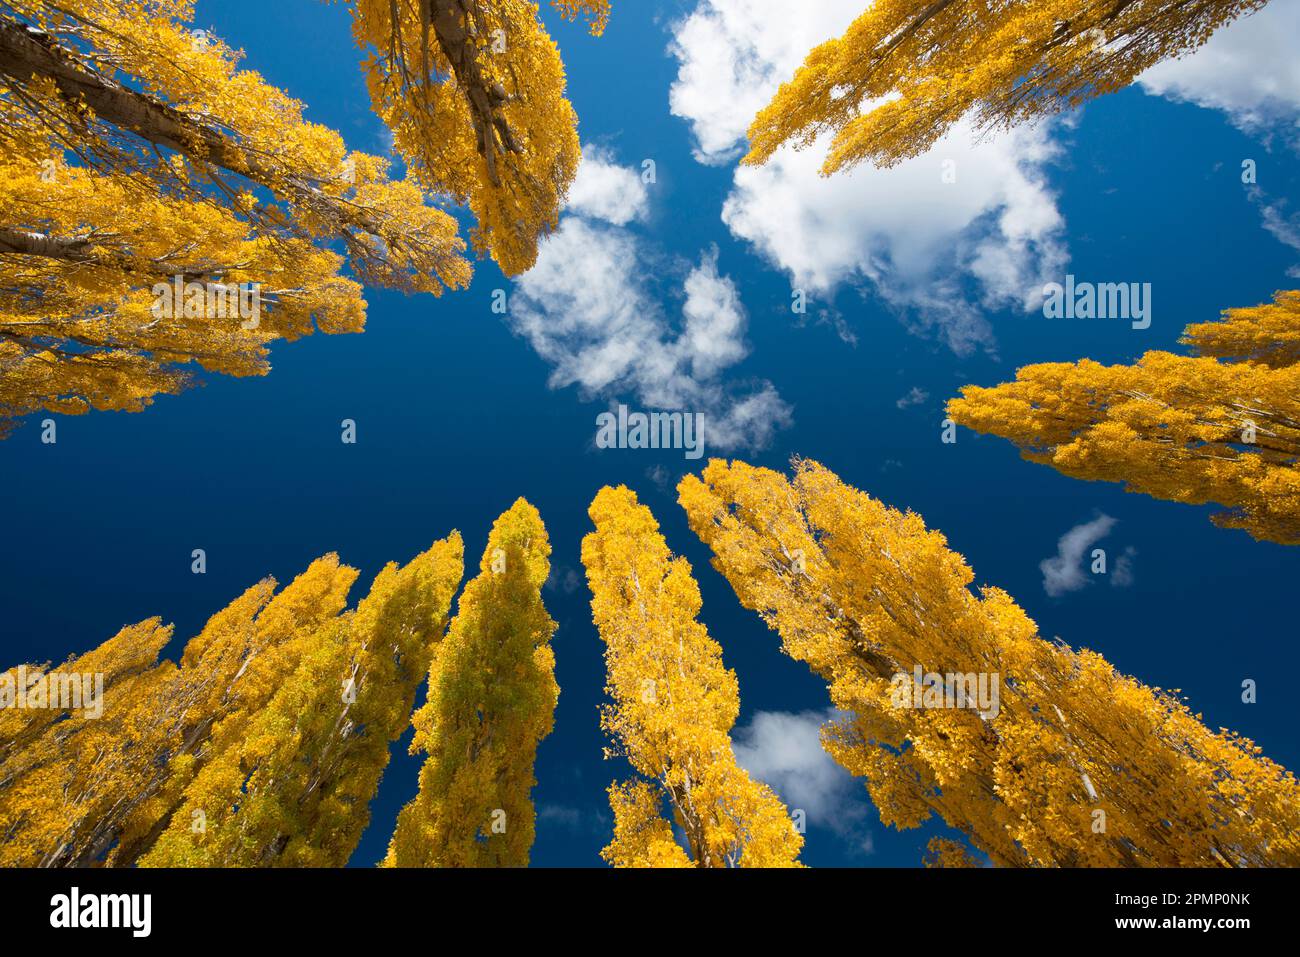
[(1064, 571), (1121, 576), (1249, 70), (588, 309), (660, 476), (783, 750), (941, 253), (605, 190), (915, 396), (734, 54), (564, 578), (1281, 225), (569, 818)]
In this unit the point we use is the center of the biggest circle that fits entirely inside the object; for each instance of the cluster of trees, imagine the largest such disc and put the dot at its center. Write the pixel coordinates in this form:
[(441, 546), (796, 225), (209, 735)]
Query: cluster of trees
[(265, 744), (1220, 426), (134, 151)]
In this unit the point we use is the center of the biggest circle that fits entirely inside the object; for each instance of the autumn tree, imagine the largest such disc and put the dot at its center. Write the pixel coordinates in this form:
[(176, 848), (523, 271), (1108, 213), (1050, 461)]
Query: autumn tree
[(291, 785), (672, 710), (1221, 426), (137, 154), (905, 71), (89, 791), (50, 807), (473, 91), (1075, 764), (492, 697), (80, 323)]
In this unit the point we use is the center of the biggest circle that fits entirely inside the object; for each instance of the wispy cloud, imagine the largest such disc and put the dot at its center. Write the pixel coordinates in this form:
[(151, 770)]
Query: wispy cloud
[(589, 309), (1065, 571), (1282, 225), (607, 191), (915, 396)]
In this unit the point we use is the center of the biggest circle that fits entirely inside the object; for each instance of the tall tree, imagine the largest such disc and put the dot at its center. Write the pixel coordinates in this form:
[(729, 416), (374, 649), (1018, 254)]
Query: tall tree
[(81, 325), (674, 704), (1075, 764), (294, 787), (99, 790), (906, 70), (492, 697), (50, 800), (130, 90), (1222, 426), (138, 154), (473, 91)]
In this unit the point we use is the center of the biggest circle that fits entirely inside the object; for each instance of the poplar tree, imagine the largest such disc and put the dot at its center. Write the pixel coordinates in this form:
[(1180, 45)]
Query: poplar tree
[(49, 806), (673, 707), (136, 151), (1078, 764), (474, 92), (905, 71), (80, 320), (1221, 426), (492, 697), (93, 791), (294, 787)]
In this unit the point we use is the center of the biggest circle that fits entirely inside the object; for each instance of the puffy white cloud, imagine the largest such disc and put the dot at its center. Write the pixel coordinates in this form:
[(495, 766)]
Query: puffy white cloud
[(605, 190), (715, 320), (1249, 70), (1064, 571), (588, 309), (783, 750), (940, 252)]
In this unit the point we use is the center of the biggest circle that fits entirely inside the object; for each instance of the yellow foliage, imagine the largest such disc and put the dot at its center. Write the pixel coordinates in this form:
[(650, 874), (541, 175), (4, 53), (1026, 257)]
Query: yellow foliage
[(473, 91), (1077, 766), (674, 704), (941, 852), (492, 697), (78, 327), (137, 151), (906, 70), (91, 791), (1222, 427), (294, 787)]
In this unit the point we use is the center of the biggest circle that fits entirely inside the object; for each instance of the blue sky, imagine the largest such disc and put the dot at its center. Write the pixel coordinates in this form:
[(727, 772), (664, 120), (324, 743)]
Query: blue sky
[(677, 293)]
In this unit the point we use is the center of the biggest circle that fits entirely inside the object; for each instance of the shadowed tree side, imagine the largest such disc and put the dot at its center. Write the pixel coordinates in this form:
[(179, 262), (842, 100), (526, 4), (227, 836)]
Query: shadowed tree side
[(92, 791), (492, 697), (294, 789)]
